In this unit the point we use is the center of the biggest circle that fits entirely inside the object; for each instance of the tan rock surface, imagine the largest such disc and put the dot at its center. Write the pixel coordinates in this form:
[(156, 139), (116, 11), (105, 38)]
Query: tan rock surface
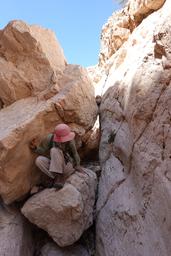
[(28, 118), (144, 7), (66, 213), (121, 24), (115, 34), (15, 234), (134, 202), (31, 61), (51, 249), (79, 105)]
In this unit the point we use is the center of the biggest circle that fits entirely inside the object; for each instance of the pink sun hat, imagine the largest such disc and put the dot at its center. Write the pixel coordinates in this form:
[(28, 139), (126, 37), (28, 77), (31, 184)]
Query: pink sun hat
[(63, 133)]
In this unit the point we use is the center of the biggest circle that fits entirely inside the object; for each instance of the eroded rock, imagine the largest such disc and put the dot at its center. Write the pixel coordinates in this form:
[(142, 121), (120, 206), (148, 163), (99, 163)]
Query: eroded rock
[(121, 24), (115, 33), (66, 213), (51, 249), (144, 7), (15, 233), (31, 61)]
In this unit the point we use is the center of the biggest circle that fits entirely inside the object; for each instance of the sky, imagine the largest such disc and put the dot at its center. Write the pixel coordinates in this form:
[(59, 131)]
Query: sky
[(77, 24)]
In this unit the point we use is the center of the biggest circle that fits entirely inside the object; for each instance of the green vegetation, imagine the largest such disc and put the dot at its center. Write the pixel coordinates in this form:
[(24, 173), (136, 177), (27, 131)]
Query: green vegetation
[(111, 137)]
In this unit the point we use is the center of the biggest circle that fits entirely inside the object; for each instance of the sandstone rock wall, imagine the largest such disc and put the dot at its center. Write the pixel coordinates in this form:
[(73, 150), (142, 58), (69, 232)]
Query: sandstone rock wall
[(134, 204)]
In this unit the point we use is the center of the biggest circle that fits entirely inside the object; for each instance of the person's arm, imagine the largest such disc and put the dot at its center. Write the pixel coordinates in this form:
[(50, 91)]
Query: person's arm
[(75, 153), (43, 147)]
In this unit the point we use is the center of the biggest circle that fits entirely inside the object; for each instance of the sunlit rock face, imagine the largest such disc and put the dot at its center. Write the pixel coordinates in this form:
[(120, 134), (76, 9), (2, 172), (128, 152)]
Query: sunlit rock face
[(121, 24), (31, 61), (134, 204), (144, 7), (115, 33)]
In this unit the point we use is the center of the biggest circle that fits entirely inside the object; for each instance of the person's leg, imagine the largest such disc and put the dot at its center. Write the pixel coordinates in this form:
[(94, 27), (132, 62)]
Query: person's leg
[(68, 170), (57, 162), (43, 163), (58, 166)]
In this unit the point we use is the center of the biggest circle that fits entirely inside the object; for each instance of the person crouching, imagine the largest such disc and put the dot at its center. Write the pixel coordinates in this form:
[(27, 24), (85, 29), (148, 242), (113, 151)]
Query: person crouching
[(63, 156)]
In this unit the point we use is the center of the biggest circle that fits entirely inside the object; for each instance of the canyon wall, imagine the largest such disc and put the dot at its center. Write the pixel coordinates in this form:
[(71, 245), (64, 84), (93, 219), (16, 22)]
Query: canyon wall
[(134, 203)]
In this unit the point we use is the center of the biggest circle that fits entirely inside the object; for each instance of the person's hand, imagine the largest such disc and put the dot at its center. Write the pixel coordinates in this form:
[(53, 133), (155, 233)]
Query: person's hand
[(33, 144)]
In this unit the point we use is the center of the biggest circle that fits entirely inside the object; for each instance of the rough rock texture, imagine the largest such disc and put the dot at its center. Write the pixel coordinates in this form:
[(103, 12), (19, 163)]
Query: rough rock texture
[(134, 205), (91, 141), (143, 7), (66, 213), (51, 249), (121, 24), (15, 234), (28, 118), (31, 61), (115, 33)]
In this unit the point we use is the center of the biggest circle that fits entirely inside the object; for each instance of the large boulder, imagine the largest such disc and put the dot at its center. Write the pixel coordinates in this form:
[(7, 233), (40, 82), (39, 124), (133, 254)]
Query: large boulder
[(15, 234), (142, 8), (66, 213), (31, 61), (51, 249), (28, 118), (134, 204)]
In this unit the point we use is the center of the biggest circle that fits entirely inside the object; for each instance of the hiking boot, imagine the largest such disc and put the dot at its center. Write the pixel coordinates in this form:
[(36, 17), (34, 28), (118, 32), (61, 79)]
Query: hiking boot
[(59, 178), (58, 186)]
